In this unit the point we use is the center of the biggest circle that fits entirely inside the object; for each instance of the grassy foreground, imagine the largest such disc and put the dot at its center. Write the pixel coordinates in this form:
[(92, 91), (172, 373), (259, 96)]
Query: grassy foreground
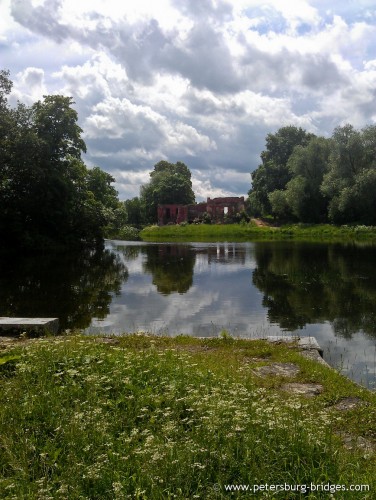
[(145, 417), (250, 232)]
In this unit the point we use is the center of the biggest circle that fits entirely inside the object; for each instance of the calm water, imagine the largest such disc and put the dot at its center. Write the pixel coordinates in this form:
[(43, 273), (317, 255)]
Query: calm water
[(248, 289)]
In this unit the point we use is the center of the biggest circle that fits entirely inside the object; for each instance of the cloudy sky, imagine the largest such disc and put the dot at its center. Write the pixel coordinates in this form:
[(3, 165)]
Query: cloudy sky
[(200, 81)]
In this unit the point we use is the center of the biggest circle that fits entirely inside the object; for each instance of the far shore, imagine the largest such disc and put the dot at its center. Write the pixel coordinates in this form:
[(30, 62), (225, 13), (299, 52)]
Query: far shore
[(255, 230)]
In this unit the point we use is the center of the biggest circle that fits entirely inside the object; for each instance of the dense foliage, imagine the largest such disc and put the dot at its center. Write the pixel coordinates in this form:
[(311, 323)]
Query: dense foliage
[(49, 197), (314, 179), (169, 183), (273, 173)]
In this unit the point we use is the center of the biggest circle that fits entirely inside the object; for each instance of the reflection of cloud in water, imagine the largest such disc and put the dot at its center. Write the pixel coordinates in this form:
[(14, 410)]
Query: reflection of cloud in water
[(211, 304), (224, 295), (101, 324), (355, 359)]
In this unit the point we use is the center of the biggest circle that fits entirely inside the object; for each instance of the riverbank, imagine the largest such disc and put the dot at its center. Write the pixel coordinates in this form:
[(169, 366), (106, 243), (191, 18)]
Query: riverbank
[(252, 231), (179, 417)]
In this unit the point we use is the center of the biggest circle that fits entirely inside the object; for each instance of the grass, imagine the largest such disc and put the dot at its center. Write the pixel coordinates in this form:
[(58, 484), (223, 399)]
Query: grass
[(144, 417), (250, 232)]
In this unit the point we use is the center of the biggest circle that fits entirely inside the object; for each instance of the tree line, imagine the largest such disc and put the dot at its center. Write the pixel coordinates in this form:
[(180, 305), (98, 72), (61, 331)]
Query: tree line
[(306, 178), (302, 178), (49, 197)]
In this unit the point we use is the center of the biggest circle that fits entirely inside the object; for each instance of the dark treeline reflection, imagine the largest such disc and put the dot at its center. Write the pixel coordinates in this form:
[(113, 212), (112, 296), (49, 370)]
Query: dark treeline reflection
[(312, 283), (73, 287), (171, 267)]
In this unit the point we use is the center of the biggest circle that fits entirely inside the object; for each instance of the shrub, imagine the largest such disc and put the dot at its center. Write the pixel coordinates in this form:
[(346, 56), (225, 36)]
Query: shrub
[(128, 233)]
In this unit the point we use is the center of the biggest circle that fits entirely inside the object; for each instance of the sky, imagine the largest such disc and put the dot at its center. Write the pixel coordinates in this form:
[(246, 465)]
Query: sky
[(198, 81)]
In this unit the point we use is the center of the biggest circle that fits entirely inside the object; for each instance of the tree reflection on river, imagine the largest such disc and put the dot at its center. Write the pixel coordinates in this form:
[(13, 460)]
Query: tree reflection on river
[(73, 287), (249, 289), (304, 284)]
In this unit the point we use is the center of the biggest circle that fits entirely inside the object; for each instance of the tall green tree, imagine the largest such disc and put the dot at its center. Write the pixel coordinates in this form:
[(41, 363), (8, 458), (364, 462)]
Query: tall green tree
[(49, 197), (134, 212), (308, 165), (273, 173), (169, 183), (349, 184)]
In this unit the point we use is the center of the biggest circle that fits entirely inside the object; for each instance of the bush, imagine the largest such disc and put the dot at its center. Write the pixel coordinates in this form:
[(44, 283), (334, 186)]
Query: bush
[(128, 233)]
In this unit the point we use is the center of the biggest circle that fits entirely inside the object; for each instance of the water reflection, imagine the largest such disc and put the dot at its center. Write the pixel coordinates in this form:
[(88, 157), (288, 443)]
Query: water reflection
[(254, 290), (304, 284), (73, 287), (171, 267), (249, 289)]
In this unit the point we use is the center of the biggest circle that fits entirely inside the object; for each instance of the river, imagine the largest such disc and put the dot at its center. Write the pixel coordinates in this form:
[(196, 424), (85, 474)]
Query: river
[(248, 290)]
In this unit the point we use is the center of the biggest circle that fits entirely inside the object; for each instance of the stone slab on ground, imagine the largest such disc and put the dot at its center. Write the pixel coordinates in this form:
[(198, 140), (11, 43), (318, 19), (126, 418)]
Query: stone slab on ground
[(352, 442), (301, 342), (278, 369), (349, 403), (308, 390), (26, 324), (308, 346)]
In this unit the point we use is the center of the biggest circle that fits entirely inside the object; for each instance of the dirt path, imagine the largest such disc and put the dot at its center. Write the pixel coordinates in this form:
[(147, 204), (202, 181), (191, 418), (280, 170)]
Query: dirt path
[(261, 223)]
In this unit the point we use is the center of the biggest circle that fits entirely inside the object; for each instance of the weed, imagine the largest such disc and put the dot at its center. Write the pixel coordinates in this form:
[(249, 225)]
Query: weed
[(156, 417)]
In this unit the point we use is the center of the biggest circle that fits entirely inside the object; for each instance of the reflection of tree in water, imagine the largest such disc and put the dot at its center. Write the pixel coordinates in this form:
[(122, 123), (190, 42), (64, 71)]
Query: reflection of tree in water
[(73, 287), (307, 283), (171, 267), (130, 252)]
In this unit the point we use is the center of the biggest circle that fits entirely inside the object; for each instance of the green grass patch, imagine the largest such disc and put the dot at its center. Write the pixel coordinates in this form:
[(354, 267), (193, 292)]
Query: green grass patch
[(251, 232), (160, 418)]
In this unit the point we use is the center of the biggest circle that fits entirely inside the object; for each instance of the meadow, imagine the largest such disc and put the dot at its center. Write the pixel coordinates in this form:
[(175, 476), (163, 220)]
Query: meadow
[(253, 232), (146, 417)]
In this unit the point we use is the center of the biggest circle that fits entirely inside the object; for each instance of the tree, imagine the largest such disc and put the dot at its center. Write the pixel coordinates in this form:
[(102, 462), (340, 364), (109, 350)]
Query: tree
[(5, 87), (308, 165), (169, 183), (273, 173), (278, 204), (100, 184), (49, 197), (134, 212), (349, 184)]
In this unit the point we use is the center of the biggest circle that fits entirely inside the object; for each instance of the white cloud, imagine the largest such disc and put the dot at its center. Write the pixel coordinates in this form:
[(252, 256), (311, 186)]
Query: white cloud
[(202, 82)]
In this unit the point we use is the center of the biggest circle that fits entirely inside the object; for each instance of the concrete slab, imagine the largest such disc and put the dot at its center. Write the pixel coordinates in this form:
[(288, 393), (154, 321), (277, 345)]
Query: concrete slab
[(29, 324), (308, 390), (278, 369), (301, 342)]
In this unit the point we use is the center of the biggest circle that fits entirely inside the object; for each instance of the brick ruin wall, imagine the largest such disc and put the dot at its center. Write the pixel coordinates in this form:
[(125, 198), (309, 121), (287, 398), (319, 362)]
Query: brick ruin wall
[(217, 208)]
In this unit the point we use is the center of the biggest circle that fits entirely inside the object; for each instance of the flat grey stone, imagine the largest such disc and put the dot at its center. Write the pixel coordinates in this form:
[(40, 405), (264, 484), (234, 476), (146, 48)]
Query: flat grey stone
[(348, 403), (357, 443), (308, 390), (301, 342), (314, 355), (50, 324), (278, 369)]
